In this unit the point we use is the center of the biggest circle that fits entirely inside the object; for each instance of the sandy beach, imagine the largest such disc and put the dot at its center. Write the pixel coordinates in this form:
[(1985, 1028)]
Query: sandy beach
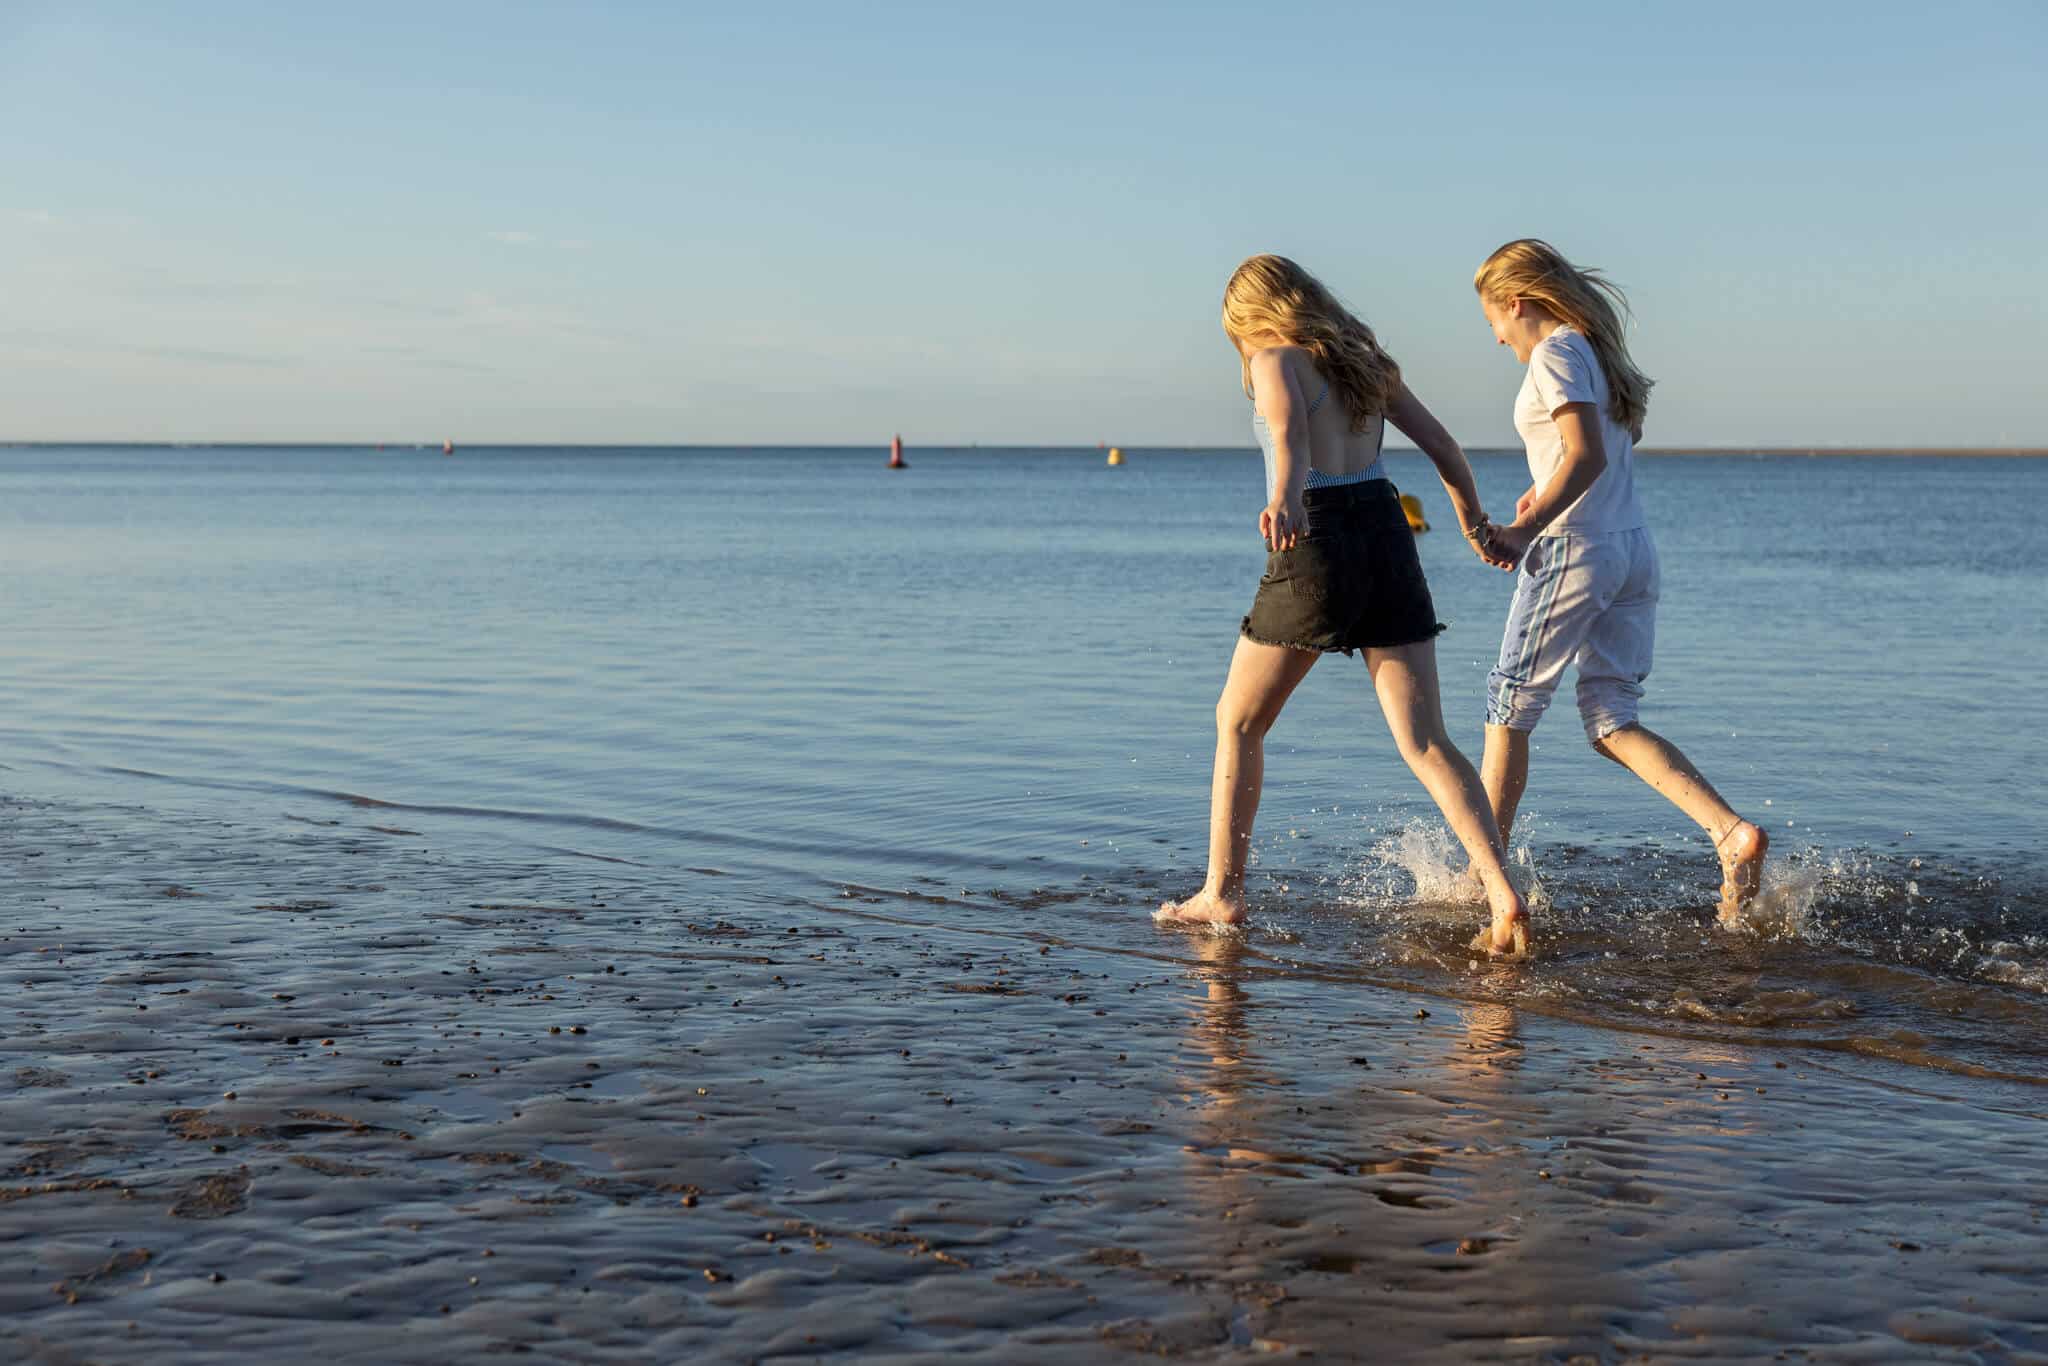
[(316, 1090)]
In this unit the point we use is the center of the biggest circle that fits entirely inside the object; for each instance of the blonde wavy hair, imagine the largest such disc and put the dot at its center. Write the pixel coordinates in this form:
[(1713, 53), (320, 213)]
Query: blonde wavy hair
[(1530, 268), (1271, 294)]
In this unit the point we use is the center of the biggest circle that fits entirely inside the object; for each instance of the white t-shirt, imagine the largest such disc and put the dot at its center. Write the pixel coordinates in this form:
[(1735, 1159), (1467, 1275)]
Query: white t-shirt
[(1565, 369)]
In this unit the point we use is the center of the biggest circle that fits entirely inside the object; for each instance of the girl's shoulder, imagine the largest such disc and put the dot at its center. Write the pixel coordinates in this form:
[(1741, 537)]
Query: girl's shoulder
[(1567, 351), (1274, 362)]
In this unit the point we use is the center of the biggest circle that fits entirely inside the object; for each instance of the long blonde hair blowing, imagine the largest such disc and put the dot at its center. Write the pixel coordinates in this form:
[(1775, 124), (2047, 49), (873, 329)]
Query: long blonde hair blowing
[(1271, 294), (1531, 268)]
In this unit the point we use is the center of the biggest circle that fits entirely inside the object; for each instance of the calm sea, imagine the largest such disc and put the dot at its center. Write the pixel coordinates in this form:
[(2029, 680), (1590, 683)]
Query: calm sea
[(981, 689)]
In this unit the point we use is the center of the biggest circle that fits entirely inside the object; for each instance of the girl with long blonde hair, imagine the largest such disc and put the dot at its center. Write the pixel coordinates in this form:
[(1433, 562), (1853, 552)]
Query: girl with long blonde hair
[(1587, 592), (1341, 575)]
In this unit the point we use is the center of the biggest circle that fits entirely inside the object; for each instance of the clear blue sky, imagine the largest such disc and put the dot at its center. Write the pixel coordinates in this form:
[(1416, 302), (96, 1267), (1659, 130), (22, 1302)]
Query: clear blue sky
[(645, 222)]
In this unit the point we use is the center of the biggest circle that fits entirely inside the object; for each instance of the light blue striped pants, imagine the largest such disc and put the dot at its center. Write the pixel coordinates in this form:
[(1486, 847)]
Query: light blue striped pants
[(1584, 600)]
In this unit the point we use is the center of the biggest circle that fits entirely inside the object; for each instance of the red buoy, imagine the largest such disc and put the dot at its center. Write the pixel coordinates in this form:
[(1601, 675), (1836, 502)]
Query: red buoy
[(896, 454)]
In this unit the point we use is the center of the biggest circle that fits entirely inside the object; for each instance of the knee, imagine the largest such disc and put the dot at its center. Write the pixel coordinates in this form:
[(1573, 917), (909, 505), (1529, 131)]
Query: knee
[(1241, 722), (1420, 747)]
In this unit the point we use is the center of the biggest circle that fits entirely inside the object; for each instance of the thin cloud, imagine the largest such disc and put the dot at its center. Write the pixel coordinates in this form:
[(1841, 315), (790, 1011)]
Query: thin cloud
[(520, 237), (193, 355)]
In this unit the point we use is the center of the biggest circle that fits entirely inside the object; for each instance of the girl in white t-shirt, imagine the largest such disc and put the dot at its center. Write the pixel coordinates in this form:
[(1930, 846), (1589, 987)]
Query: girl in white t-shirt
[(1586, 594)]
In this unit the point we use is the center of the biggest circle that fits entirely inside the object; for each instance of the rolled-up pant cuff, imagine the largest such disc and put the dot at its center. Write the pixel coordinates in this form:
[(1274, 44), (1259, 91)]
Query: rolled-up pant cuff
[(1522, 715), (1601, 724)]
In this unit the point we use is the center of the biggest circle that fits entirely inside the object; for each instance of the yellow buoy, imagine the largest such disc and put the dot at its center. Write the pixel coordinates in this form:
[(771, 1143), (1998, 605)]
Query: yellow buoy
[(1116, 455), (1412, 505)]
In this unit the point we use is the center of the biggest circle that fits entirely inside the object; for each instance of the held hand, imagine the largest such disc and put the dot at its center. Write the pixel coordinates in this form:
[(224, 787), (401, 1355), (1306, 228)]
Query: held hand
[(1283, 523), (1522, 503), (1509, 544), (1481, 536)]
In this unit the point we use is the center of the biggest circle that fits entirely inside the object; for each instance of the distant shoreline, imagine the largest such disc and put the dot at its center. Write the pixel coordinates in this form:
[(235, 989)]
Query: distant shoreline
[(403, 447)]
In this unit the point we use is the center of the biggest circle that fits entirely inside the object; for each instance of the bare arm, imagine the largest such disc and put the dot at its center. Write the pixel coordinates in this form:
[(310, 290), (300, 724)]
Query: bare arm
[(1419, 425), (1277, 393), (1585, 459)]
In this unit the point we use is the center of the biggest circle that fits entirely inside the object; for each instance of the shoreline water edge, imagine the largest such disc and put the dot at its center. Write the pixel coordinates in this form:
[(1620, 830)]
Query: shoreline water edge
[(318, 1089)]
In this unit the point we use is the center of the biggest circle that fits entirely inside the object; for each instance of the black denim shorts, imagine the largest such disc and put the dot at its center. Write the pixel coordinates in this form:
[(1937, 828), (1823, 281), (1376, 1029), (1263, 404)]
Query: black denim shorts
[(1355, 582)]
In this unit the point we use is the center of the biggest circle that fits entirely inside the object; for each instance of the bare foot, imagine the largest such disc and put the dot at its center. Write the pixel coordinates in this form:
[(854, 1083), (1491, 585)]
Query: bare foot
[(1508, 936), (1741, 847), (1203, 908), (1467, 889)]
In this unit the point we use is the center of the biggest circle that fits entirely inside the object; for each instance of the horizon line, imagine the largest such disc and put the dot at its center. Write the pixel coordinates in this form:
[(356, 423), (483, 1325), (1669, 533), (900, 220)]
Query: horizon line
[(1800, 449)]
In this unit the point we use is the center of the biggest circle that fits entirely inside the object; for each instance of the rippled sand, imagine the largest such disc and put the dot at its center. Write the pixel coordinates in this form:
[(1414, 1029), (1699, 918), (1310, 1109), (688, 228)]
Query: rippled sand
[(320, 1091)]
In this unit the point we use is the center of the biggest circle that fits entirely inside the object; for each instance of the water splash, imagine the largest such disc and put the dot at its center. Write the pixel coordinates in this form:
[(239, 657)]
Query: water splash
[(1421, 862), (1934, 961), (1785, 899)]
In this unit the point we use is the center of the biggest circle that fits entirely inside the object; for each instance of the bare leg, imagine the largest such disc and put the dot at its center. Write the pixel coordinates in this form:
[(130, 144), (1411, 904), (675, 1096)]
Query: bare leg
[(1262, 677), (1405, 678), (1505, 769), (1739, 843)]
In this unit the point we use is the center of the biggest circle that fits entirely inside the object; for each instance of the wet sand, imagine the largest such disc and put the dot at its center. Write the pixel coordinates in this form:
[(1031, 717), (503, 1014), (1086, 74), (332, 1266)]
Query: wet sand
[(320, 1090)]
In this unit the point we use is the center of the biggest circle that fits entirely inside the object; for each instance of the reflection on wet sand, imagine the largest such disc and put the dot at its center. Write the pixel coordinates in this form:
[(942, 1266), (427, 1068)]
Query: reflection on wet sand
[(385, 1105), (1321, 1191)]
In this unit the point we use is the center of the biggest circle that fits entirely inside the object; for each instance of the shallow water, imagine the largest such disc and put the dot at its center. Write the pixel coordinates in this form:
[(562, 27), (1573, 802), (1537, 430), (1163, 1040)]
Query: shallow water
[(340, 780), (991, 677)]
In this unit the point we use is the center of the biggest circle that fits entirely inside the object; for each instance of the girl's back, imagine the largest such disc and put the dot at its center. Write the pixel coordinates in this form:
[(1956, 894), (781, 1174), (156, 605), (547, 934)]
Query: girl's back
[(1337, 454)]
